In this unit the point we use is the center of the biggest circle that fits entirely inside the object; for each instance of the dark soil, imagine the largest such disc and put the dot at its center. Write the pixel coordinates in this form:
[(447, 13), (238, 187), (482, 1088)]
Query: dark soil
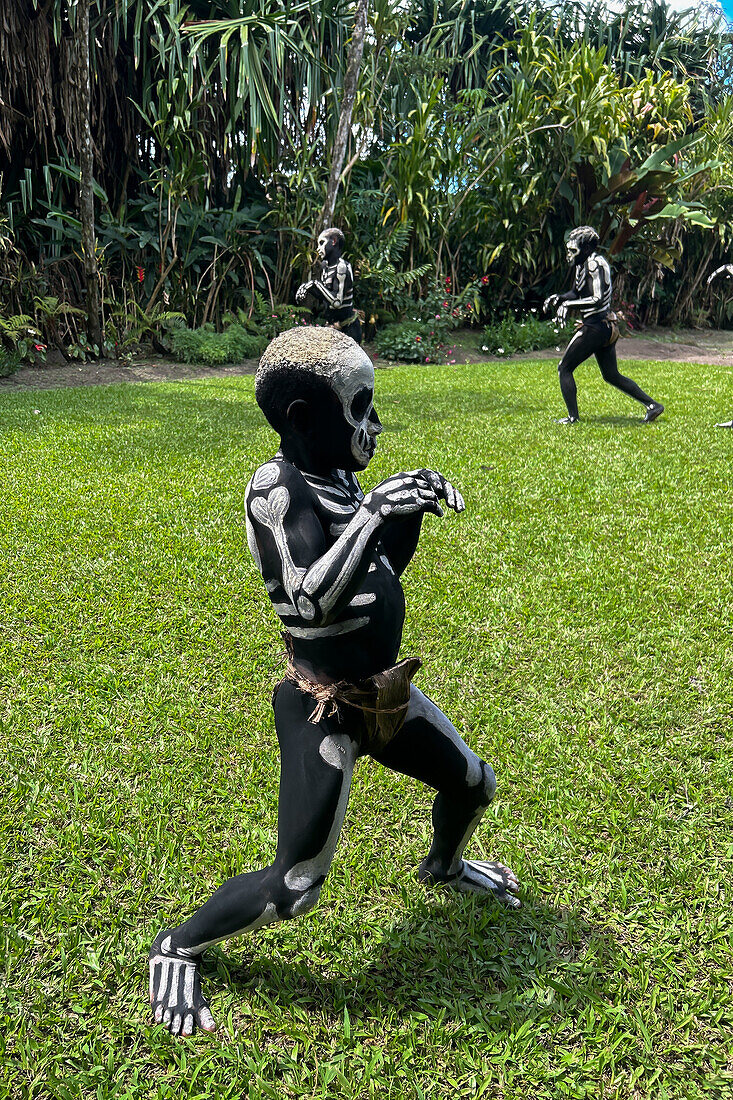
[(685, 345)]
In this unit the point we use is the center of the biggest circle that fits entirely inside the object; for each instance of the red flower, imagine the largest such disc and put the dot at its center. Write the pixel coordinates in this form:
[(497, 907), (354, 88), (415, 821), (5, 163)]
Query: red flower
[(140, 273), (484, 280), (417, 338)]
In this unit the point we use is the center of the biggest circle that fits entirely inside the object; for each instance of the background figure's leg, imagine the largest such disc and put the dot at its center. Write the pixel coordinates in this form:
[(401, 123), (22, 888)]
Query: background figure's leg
[(575, 353), (317, 764), (609, 369), (429, 748)]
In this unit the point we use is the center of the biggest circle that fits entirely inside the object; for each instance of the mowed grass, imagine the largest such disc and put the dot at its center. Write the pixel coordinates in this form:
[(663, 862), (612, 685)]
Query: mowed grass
[(576, 624)]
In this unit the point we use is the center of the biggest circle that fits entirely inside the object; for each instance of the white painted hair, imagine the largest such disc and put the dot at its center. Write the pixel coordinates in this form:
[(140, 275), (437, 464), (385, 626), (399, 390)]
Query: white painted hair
[(320, 351)]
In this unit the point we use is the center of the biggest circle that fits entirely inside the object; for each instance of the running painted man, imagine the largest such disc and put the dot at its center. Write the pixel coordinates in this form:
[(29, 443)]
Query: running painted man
[(598, 332)]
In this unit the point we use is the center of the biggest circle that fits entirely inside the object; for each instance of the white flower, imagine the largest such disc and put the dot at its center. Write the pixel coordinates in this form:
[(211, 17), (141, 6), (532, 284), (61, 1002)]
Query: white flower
[(500, 351), (484, 347)]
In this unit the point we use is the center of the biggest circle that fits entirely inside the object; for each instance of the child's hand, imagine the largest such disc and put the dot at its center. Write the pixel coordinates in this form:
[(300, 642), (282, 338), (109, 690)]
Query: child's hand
[(443, 489), (404, 495)]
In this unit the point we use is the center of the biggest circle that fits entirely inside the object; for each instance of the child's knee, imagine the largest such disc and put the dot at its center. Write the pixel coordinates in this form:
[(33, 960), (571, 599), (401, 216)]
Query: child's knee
[(294, 898), (304, 902)]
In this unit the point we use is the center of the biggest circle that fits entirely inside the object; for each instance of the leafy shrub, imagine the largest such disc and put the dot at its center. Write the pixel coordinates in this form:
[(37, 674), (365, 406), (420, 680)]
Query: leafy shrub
[(10, 361), (524, 332), (206, 345), (410, 342), (441, 309), (19, 342)]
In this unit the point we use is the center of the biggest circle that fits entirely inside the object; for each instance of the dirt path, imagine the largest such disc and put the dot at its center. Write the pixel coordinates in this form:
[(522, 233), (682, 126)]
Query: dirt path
[(683, 345), (686, 345)]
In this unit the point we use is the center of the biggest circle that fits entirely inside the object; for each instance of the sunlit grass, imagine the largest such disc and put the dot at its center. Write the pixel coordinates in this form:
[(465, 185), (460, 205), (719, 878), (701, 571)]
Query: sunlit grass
[(575, 623)]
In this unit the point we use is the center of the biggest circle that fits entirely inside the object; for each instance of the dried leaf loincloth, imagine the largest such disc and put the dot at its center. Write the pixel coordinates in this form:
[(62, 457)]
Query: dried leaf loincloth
[(382, 699)]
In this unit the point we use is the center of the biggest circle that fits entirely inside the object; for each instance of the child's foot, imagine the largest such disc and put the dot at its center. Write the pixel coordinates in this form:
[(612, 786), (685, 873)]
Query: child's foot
[(725, 424), (568, 420), (653, 411), (175, 989), (477, 876)]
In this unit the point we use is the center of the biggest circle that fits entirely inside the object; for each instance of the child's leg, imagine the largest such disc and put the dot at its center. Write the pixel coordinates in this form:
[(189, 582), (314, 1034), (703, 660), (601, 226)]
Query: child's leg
[(429, 748), (317, 764)]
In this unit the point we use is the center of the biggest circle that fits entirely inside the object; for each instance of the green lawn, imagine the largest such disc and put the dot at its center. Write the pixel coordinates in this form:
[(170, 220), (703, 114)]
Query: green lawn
[(575, 622)]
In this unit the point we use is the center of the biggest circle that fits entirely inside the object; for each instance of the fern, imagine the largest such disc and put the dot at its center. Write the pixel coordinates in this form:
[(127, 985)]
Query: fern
[(17, 328)]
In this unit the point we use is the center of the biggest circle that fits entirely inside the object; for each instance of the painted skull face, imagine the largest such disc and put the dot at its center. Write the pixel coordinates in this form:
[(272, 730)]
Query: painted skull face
[(573, 251), (325, 247), (354, 387)]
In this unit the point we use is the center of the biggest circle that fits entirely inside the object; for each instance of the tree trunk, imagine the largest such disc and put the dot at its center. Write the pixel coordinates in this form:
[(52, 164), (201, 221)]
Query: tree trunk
[(351, 80), (86, 164)]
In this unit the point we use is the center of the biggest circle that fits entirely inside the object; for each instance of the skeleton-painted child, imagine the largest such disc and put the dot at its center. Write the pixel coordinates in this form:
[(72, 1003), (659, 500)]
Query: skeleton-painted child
[(598, 333), (727, 271), (334, 291), (331, 559)]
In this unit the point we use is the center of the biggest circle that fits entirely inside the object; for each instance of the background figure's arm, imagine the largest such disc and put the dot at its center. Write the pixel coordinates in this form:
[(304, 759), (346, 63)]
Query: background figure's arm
[(333, 301), (726, 269), (556, 299), (291, 544), (595, 298)]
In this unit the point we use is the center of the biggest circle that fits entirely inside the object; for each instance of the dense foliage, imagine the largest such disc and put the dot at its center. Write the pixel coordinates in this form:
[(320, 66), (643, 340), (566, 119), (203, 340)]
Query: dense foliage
[(481, 132)]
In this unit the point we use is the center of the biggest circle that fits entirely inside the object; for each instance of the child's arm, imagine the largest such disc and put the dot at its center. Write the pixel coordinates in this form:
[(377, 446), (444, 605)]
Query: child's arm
[(400, 539)]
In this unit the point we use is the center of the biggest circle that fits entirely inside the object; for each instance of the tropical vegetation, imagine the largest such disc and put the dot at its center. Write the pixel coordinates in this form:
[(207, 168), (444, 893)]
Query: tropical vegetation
[(202, 138)]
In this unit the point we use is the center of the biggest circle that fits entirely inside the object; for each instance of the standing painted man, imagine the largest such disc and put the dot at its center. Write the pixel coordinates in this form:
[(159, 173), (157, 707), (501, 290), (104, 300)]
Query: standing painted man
[(331, 558), (334, 291), (598, 332)]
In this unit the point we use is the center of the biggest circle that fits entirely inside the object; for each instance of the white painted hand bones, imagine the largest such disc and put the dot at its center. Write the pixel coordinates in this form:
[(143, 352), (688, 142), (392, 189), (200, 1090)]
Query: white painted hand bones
[(560, 308), (409, 493)]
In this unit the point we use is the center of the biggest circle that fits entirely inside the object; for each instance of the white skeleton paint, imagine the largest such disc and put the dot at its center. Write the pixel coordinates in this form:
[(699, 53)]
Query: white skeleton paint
[(595, 277), (592, 279), (339, 752), (335, 287), (726, 269), (175, 990)]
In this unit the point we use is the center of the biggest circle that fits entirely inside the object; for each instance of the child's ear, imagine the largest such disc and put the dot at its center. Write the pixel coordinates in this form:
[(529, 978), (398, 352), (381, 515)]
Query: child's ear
[(298, 416)]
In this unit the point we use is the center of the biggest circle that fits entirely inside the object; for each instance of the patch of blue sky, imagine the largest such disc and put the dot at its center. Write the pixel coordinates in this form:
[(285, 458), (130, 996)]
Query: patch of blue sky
[(709, 9)]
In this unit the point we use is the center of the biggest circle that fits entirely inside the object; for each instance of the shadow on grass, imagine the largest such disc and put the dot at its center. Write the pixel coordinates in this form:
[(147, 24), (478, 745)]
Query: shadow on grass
[(468, 957), (628, 421)]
